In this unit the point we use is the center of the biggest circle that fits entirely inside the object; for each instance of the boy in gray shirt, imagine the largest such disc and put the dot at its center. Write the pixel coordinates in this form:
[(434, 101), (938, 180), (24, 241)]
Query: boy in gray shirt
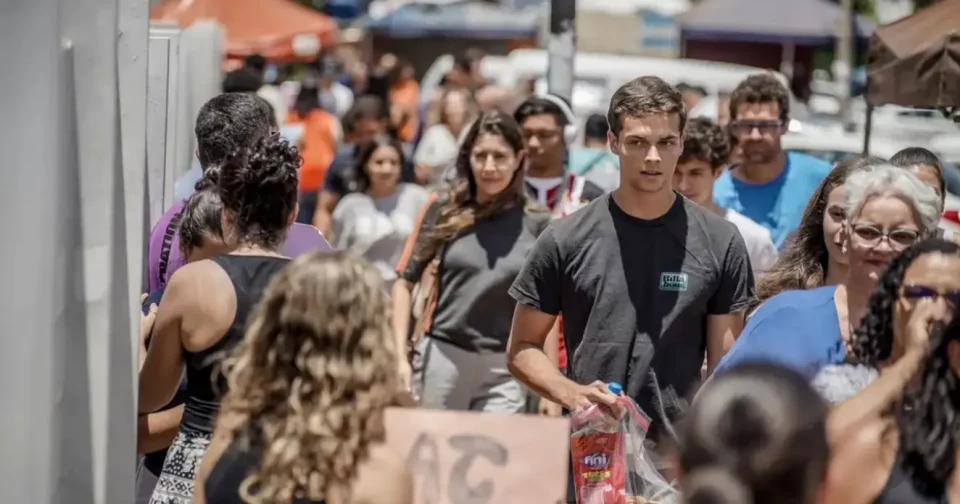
[(647, 281)]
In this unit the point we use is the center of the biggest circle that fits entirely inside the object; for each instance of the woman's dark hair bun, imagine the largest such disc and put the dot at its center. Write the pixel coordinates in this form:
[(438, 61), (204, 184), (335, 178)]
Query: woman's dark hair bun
[(715, 485), (259, 186), (209, 180), (743, 427)]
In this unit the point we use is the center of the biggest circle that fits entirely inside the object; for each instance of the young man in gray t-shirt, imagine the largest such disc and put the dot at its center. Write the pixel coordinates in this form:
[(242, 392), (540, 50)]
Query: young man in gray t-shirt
[(647, 281)]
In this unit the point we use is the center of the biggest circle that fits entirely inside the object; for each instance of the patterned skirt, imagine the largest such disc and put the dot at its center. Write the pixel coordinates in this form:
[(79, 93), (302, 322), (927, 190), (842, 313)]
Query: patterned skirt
[(175, 485)]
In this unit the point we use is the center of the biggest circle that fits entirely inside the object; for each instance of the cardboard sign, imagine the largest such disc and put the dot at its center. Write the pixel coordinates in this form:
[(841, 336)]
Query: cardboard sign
[(481, 458)]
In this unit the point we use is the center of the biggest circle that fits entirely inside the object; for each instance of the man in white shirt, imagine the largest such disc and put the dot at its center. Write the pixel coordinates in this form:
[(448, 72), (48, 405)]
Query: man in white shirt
[(706, 148)]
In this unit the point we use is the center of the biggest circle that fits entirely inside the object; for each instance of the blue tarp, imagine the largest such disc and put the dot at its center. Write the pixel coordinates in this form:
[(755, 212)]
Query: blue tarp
[(811, 22), (464, 19)]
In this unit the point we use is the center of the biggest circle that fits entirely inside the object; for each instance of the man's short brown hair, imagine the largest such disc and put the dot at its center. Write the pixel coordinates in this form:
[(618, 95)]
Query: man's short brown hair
[(644, 96), (705, 141), (761, 88)]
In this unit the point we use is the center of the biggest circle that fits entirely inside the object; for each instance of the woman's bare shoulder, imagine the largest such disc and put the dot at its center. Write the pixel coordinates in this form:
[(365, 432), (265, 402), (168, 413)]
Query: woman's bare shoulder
[(206, 301), (382, 479), (867, 452), (197, 274)]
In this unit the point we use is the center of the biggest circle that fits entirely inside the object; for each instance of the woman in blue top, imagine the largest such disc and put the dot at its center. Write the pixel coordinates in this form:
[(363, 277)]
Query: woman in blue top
[(887, 210)]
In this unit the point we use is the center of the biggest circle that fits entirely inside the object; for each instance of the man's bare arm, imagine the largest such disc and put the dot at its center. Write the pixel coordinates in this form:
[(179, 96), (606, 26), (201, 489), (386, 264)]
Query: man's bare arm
[(156, 431), (722, 331), (529, 362), (323, 214)]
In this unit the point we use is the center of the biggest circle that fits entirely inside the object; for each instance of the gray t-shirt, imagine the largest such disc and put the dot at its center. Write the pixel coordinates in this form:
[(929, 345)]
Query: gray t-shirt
[(377, 228), (635, 295), (473, 309)]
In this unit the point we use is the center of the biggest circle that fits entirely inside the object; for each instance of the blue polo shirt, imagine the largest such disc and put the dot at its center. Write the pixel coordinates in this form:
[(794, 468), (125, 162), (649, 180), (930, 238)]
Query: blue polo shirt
[(798, 329)]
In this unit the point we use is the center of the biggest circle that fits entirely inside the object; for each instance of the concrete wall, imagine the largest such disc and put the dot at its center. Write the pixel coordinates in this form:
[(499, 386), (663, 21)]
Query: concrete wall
[(71, 260)]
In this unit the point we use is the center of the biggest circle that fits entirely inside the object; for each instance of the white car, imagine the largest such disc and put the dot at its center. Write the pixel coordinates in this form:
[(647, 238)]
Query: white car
[(833, 144), (616, 69)]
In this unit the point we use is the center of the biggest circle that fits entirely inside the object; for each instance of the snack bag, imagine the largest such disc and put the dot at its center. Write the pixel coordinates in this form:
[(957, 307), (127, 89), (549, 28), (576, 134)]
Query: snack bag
[(598, 468), (610, 463)]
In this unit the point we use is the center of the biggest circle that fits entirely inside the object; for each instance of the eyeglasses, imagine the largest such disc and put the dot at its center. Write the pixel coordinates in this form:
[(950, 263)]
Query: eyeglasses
[(763, 126), (917, 292), (898, 239)]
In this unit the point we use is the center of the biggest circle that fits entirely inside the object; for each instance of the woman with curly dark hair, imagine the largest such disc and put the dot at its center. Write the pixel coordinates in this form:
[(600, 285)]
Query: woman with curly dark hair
[(472, 239), (886, 211), (303, 418), (204, 308), (920, 272), (908, 454), (376, 220), (811, 257)]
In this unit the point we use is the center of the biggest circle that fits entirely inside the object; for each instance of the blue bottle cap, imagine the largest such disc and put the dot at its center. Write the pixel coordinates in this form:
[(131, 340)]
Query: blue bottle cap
[(615, 388)]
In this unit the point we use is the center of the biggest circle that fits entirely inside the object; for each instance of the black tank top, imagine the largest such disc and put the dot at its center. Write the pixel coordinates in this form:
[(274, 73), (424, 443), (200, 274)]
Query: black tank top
[(900, 489), (238, 461), (205, 383)]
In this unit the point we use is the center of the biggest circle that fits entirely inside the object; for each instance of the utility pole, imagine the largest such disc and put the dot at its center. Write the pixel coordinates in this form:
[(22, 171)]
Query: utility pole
[(843, 65), (561, 47)]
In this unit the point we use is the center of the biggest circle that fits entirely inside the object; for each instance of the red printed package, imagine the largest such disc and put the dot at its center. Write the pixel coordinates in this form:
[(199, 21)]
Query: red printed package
[(610, 463), (598, 467)]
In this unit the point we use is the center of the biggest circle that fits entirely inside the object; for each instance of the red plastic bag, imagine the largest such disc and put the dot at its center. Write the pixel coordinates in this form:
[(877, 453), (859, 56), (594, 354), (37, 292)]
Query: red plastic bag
[(610, 463)]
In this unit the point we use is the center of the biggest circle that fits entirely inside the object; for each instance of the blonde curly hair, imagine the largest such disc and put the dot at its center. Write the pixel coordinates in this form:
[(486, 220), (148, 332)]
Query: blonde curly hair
[(310, 381)]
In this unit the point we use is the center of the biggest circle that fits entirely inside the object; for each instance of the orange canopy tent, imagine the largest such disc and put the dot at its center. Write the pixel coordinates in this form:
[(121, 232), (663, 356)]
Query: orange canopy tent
[(278, 29)]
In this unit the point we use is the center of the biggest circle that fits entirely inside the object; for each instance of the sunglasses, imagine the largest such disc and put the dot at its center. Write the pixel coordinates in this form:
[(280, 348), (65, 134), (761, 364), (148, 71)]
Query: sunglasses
[(918, 292), (746, 126)]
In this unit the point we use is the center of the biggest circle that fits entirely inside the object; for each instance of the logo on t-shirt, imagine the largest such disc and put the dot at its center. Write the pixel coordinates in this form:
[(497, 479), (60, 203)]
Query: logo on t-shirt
[(676, 282)]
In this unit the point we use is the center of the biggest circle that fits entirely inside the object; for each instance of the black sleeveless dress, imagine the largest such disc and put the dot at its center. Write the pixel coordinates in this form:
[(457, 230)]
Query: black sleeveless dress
[(205, 385), (238, 461), (901, 489)]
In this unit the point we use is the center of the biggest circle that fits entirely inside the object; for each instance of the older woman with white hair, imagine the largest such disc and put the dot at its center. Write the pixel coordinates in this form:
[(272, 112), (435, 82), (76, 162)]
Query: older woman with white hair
[(887, 210)]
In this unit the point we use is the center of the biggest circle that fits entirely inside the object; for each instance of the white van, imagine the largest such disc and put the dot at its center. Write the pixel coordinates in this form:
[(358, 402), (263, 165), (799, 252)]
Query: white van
[(832, 144), (614, 70)]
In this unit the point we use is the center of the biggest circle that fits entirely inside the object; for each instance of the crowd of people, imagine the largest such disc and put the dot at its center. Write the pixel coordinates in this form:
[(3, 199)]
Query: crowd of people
[(787, 325)]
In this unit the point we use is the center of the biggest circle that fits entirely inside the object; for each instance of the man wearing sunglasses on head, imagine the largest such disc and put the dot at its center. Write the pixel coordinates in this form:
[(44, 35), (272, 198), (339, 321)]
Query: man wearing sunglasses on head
[(769, 186)]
